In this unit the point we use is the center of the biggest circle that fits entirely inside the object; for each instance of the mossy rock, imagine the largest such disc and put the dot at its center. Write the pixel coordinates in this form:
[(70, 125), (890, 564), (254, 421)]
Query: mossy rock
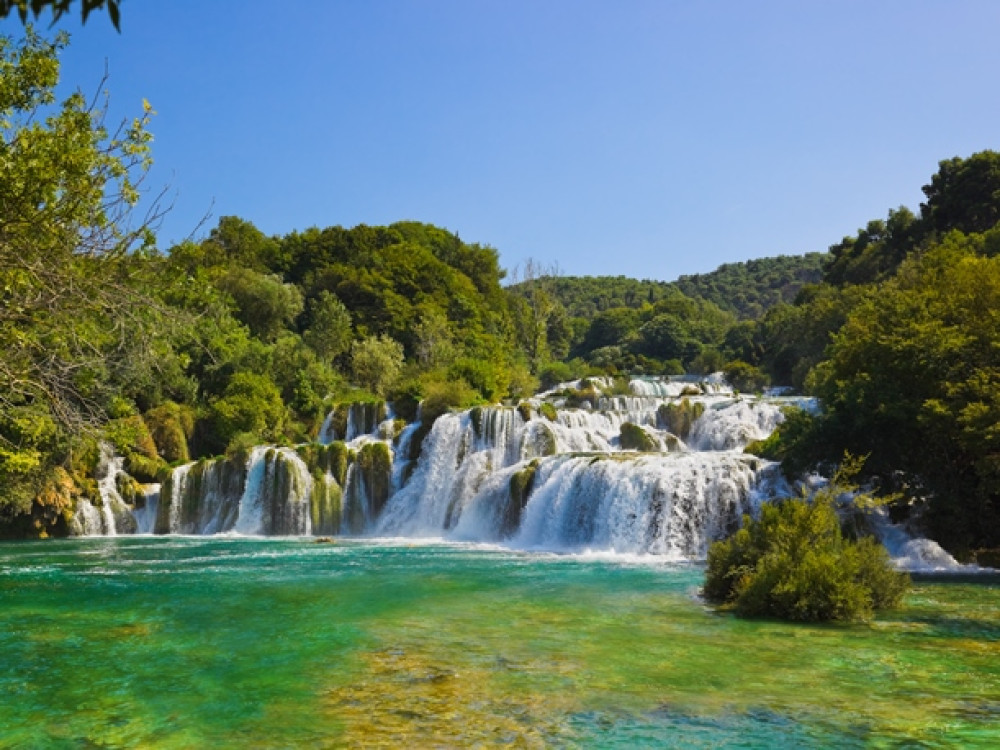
[(476, 415), (325, 505), (582, 397), (171, 425), (679, 417), (143, 468), (129, 490), (541, 440), (398, 425), (548, 411), (375, 463), (524, 409), (521, 484), (131, 435), (633, 437), (338, 422), (54, 505)]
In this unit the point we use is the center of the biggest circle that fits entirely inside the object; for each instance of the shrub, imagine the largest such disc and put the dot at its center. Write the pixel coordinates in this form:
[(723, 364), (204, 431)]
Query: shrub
[(745, 377), (443, 396), (250, 404), (553, 373), (633, 437), (171, 425), (794, 563), (489, 378), (680, 417)]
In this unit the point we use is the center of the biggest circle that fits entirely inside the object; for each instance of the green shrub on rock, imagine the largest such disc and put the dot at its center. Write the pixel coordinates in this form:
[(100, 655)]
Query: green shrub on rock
[(679, 417), (794, 563), (634, 438)]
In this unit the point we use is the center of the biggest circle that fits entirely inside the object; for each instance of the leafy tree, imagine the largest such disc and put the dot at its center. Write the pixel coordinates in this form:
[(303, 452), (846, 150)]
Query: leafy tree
[(265, 304), (251, 405), (433, 343), (912, 379), (376, 363), (964, 194), (876, 252), (609, 328), (745, 377), (72, 319), (666, 337), (329, 332), (59, 8), (236, 242)]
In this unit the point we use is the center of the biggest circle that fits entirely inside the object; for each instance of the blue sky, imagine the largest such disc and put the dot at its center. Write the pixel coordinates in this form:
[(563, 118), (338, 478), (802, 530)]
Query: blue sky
[(650, 139)]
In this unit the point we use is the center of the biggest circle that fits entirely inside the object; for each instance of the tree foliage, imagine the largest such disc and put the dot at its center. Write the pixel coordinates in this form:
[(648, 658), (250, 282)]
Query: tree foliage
[(795, 563), (59, 8), (75, 325)]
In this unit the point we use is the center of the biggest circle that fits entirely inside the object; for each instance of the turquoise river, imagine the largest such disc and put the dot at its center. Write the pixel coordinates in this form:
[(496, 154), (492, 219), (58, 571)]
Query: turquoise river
[(228, 642)]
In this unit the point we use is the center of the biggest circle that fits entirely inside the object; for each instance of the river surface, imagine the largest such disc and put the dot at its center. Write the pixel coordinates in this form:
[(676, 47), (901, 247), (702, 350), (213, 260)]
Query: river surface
[(176, 642)]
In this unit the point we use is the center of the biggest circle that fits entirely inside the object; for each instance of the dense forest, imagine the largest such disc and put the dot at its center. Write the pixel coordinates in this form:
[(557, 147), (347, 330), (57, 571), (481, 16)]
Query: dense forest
[(239, 338)]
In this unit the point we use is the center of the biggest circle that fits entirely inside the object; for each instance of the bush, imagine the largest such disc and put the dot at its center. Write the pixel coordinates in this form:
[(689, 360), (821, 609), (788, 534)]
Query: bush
[(794, 563), (251, 404), (490, 379), (171, 425), (552, 374), (633, 437), (441, 397), (745, 377)]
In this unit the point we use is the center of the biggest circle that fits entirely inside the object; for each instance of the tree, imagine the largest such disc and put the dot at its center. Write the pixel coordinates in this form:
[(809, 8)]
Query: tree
[(251, 405), (73, 318), (912, 379), (376, 362), (433, 344), (964, 194), (60, 8), (265, 304), (329, 332)]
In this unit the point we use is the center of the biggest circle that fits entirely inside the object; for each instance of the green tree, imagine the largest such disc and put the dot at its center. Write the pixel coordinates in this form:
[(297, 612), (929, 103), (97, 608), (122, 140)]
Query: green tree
[(265, 304), (251, 405), (376, 363), (329, 333), (59, 8), (913, 380), (72, 318), (964, 194), (433, 344)]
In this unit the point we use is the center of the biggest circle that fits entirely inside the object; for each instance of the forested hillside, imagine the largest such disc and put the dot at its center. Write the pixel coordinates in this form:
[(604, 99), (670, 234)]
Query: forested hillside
[(239, 338), (750, 289)]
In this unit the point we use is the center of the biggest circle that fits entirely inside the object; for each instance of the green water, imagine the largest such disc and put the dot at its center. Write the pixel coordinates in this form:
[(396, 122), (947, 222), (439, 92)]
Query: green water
[(251, 643)]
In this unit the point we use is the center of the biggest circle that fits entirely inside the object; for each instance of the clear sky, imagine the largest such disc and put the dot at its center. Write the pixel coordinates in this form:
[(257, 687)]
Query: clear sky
[(650, 139)]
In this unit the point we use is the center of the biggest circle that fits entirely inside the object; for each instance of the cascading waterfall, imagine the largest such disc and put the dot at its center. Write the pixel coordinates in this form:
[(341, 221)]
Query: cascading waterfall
[(659, 470), (113, 515), (490, 475)]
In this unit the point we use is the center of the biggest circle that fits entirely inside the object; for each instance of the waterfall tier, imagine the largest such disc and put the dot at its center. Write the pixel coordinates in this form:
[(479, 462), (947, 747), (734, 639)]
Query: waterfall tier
[(656, 468)]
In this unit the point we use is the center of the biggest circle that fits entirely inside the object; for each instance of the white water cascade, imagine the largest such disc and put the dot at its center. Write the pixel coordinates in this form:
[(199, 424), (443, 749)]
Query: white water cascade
[(112, 515), (651, 467), (567, 483)]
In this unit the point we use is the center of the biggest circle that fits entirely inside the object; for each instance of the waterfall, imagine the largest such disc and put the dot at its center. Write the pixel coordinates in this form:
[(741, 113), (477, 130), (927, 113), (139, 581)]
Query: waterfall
[(647, 467), (348, 422), (145, 515)]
